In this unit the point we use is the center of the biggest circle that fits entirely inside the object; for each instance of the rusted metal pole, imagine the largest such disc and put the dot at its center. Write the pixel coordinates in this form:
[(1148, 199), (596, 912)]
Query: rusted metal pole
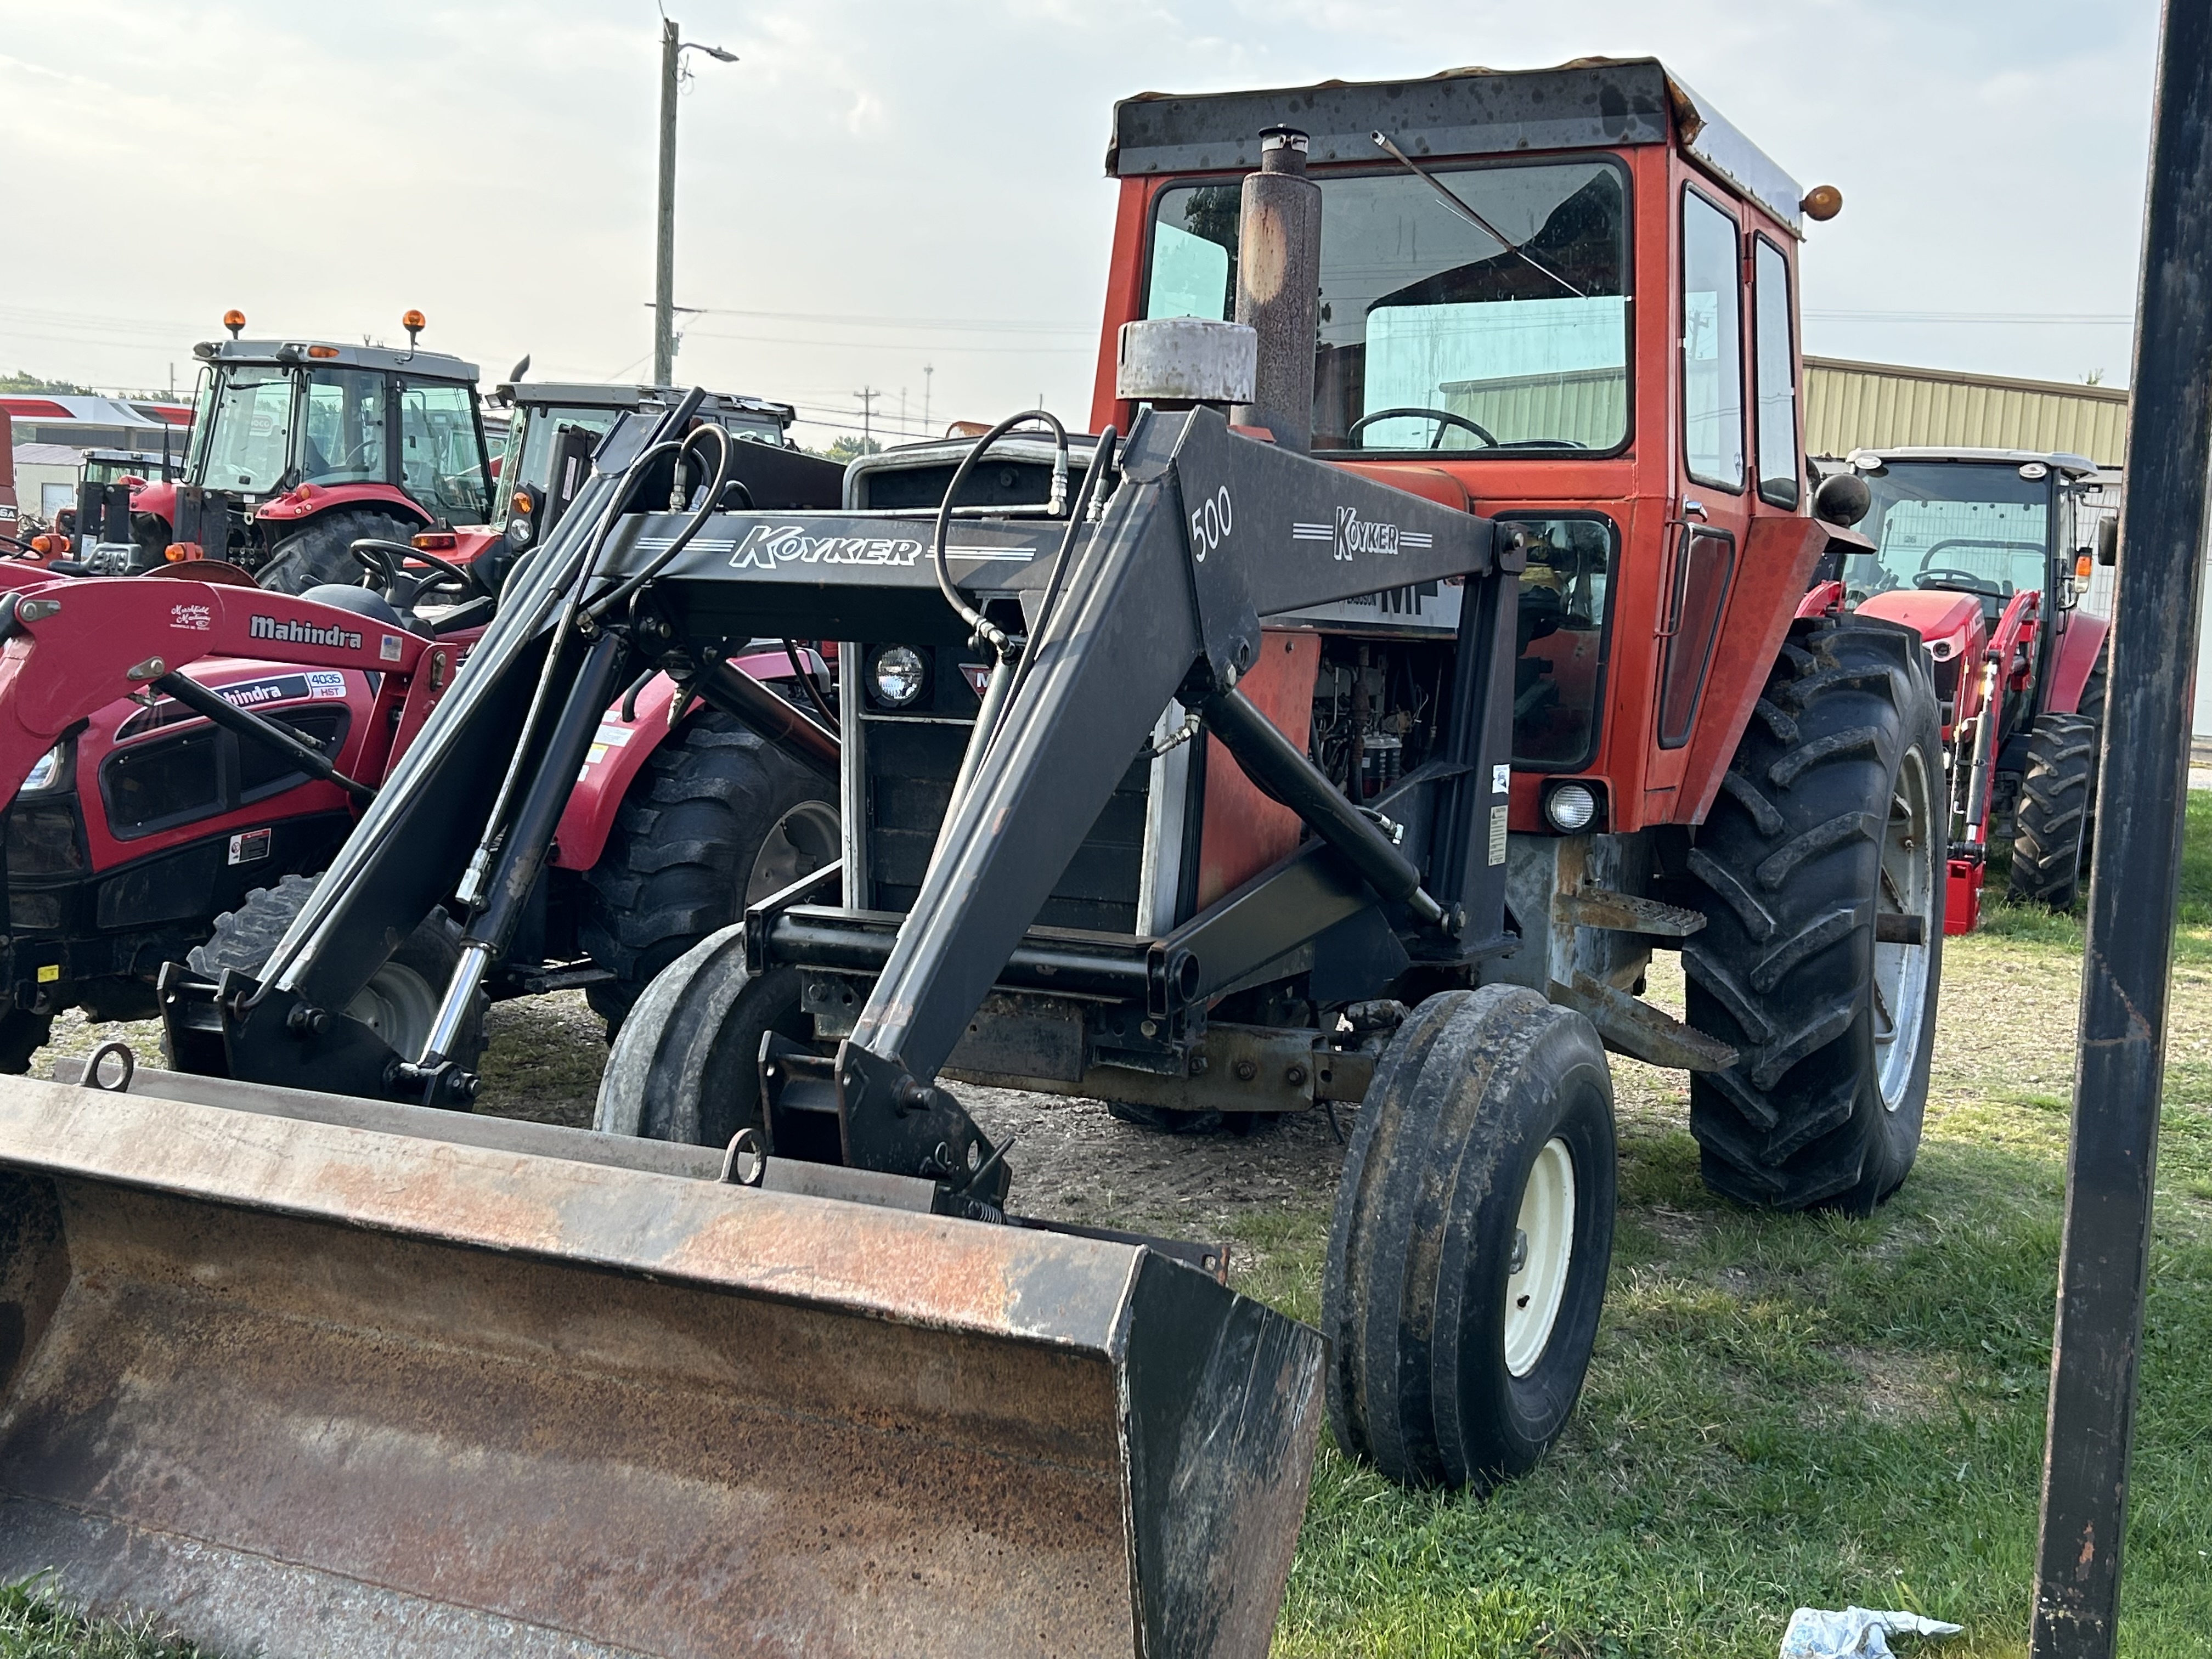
[(2103, 1260)]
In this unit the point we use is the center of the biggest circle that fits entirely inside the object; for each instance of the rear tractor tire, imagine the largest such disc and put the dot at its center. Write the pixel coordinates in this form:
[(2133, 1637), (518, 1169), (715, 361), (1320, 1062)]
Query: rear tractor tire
[(318, 553), (1471, 1238), (1833, 813), (718, 819), (401, 999), (2051, 823)]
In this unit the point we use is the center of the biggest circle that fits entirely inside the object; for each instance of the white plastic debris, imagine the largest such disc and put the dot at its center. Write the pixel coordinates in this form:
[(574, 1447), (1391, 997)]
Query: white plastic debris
[(1854, 1633)]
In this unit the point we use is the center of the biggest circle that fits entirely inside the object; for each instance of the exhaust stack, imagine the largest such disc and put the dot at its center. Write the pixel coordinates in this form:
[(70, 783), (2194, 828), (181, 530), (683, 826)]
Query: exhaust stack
[(1278, 287)]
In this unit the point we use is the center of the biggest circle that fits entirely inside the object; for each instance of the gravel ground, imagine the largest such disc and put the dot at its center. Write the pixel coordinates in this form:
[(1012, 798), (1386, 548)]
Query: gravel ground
[(2006, 1024), (1072, 1162)]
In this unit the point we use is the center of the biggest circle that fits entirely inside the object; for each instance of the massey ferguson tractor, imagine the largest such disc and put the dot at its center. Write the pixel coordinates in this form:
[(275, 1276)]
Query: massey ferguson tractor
[(300, 448), (1986, 553), (1414, 648)]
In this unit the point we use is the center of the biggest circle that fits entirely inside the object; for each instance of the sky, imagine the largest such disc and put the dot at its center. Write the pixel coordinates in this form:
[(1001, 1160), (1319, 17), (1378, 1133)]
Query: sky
[(910, 198)]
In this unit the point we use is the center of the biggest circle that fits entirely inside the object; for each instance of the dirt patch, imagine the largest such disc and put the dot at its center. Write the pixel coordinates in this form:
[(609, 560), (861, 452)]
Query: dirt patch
[(1894, 1386)]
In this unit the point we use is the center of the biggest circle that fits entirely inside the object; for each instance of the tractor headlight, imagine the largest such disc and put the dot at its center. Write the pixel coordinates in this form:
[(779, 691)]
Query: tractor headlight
[(1570, 807), (45, 772), (518, 531), (897, 676)]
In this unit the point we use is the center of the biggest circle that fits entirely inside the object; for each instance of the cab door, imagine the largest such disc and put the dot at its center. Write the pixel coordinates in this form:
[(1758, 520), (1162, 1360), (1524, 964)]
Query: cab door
[(1711, 500)]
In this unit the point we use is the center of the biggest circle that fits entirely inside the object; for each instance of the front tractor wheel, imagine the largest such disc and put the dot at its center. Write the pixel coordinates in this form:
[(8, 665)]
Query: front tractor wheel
[(2051, 825), (1471, 1234), (400, 1001), (1820, 874)]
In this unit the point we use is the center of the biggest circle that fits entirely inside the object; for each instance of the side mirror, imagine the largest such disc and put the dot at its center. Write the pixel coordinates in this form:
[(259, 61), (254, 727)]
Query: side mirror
[(2108, 539), (1843, 499)]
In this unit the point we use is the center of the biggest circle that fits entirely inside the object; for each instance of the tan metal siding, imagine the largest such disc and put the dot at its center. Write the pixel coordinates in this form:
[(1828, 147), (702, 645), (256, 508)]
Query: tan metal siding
[(1850, 406)]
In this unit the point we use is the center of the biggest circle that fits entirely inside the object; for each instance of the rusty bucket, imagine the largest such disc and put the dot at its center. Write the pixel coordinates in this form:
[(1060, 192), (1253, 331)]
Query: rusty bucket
[(308, 1375)]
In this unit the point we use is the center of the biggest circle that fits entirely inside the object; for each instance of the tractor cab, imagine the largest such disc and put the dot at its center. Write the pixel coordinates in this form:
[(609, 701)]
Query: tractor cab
[(1986, 553), (299, 448), (1994, 524), (1566, 295), (554, 428), (101, 524)]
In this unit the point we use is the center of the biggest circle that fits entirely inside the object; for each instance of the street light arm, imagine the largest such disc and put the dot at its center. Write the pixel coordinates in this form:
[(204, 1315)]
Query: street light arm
[(714, 52)]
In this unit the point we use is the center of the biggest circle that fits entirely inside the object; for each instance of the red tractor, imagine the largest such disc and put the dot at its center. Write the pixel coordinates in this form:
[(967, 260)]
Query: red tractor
[(199, 798), (1985, 555), (300, 448)]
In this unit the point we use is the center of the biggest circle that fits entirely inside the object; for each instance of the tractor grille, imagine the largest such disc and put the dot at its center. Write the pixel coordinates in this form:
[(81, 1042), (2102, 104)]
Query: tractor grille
[(43, 839), (913, 757)]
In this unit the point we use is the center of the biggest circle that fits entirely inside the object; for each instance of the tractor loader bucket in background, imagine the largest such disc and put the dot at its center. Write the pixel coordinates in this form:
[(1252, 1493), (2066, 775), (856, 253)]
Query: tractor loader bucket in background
[(306, 1374)]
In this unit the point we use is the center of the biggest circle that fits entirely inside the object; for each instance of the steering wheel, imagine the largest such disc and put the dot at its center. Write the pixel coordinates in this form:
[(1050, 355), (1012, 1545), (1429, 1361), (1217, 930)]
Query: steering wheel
[(1965, 580), (1444, 417), (385, 561)]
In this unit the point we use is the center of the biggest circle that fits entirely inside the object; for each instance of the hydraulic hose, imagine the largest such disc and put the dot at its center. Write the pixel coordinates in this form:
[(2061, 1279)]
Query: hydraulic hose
[(986, 630)]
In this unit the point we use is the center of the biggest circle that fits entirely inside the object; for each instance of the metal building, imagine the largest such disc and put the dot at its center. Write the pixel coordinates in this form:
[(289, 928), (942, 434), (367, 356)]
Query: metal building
[(1853, 405)]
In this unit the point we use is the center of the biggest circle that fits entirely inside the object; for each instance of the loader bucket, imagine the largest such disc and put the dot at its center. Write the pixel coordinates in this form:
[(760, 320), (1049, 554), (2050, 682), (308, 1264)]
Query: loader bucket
[(305, 1374)]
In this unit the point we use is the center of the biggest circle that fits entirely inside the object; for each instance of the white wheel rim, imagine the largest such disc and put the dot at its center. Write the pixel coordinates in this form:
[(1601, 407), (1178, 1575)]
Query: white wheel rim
[(1544, 1253), (1907, 886), (803, 840), (398, 1005)]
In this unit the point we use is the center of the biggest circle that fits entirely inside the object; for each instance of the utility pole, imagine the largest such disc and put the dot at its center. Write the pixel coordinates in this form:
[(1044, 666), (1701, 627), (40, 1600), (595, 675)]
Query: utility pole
[(672, 49), (2104, 1254), (867, 396), (927, 429)]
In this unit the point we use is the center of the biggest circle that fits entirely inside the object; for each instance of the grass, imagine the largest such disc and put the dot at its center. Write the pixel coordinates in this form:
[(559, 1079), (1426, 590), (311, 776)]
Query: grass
[(1790, 1410), (1782, 1410), (37, 1623)]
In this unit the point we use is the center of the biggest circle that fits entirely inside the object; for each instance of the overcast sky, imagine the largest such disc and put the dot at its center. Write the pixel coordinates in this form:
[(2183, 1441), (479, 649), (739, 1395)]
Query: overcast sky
[(879, 189)]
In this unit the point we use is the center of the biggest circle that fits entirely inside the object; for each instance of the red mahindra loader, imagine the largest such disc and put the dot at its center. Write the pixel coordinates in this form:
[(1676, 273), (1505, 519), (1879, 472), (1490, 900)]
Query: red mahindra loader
[(1346, 722), (166, 822), (1986, 553)]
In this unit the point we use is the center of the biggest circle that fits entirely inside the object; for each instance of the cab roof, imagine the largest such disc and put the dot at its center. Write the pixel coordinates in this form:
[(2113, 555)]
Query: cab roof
[(1592, 103), (287, 354), (2058, 460), (579, 395)]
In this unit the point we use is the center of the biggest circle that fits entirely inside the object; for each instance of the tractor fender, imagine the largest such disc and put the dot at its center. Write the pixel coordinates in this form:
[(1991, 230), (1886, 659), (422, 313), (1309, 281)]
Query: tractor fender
[(619, 751), (159, 499), (1823, 597), (303, 502), (2078, 645)]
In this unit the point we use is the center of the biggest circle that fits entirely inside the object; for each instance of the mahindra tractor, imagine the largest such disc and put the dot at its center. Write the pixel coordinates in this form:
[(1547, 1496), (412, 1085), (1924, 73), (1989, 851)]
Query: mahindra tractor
[(1986, 553), (190, 813), (300, 448)]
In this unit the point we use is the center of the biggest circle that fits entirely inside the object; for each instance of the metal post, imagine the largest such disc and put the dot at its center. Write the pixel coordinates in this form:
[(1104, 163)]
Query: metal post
[(2136, 876), (664, 262)]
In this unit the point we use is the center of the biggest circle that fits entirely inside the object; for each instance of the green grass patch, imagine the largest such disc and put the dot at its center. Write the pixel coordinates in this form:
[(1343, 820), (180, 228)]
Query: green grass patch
[(1788, 1411), (38, 1622)]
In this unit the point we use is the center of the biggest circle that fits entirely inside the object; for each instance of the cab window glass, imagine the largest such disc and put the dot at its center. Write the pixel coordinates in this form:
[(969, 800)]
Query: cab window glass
[(1558, 679), (250, 429), (1498, 325), (1712, 346), (441, 459), (1772, 363), (343, 439)]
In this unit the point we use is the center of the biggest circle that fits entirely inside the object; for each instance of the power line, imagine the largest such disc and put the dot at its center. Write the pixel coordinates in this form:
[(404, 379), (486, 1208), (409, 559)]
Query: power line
[(882, 345)]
